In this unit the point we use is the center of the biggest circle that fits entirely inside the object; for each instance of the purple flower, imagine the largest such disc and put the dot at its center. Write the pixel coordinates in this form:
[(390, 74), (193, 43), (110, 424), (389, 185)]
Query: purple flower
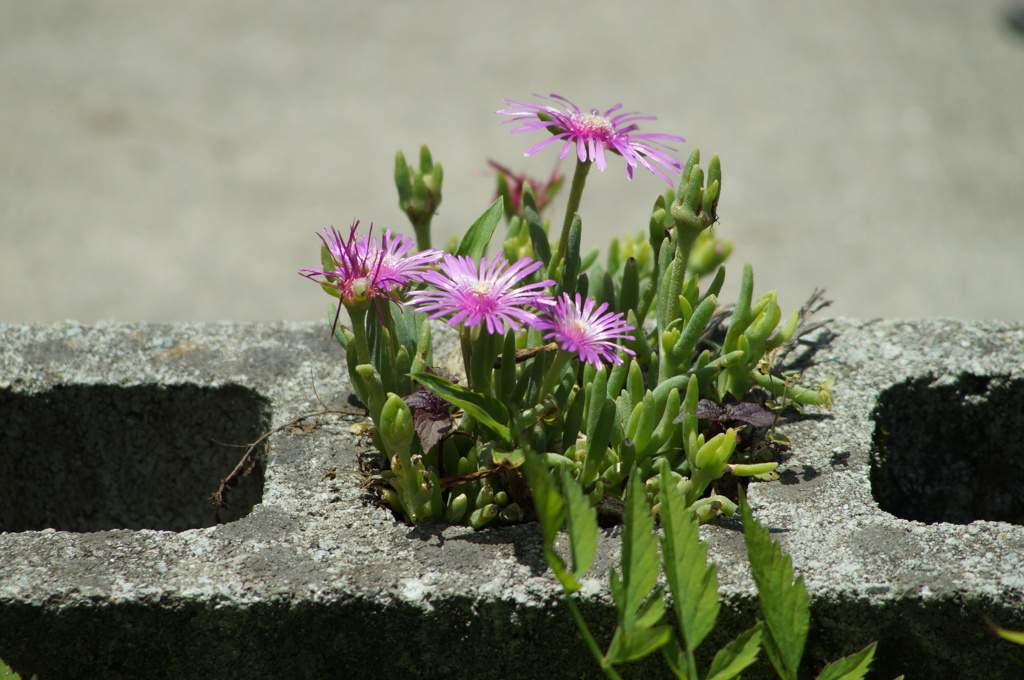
[(482, 294), (594, 132), (589, 332), (366, 267)]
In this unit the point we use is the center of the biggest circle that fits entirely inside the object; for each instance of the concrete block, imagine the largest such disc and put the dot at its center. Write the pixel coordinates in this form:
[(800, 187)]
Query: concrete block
[(902, 508)]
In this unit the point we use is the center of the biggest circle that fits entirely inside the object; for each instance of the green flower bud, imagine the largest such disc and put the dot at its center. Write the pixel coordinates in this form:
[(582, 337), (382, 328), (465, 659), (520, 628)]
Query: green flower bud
[(480, 517), (511, 514), (396, 426), (707, 509), (716, 452), (457, 507), (485, 496), (391, 498)]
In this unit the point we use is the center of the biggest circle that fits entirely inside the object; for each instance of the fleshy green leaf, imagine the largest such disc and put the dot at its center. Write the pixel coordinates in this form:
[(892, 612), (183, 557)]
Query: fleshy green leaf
[(597, 442), (692, 581), (851, 667), (486, 409), (785, 604), (474, 243), (730, 661)]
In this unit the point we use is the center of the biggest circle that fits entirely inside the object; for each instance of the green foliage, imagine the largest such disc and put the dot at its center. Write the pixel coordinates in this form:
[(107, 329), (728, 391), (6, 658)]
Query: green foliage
[(483, 407), (577, 432), (692, 582), (1014, 636), (474, 243), (694, 587), (641, 606), (7, 674), (563, 501), (785, 607), (785, 604), (597, 424), (419, 192)]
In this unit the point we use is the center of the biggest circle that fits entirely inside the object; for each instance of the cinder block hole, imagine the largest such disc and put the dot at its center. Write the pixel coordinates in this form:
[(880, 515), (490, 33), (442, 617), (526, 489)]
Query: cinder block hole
[(950, 451), (96, 457)]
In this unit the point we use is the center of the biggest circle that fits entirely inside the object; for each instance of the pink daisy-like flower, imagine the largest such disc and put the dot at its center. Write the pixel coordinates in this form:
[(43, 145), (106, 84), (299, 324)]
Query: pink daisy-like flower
[(594, 132), (484, 293), (589, 332), (366, 267)]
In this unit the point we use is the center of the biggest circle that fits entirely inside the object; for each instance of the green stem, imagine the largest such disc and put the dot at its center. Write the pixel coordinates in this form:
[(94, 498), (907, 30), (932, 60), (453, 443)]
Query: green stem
[(357, 314), (589, 639), (554, 371), (466, 340), (422, 230), (685, 238), (579, 180)]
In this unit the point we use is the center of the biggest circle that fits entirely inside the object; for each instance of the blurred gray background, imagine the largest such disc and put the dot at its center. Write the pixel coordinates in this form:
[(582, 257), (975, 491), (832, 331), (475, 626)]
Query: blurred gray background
[(174, 161)]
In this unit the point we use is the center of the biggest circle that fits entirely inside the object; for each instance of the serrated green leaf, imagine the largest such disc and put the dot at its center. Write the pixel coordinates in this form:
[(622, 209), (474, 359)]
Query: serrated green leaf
[(485, 408), (636, 643), (640, 564), (548, 502), (692, 581), (785, 604), (1014, 636), (550, 508), (851, 667), (581, 524), (730, 660), (474, 243)]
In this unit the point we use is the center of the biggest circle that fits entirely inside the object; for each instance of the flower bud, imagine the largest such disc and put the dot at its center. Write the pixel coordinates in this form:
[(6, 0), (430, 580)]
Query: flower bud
[(716, 452), (396, 426), (481, 516), (456, 510)]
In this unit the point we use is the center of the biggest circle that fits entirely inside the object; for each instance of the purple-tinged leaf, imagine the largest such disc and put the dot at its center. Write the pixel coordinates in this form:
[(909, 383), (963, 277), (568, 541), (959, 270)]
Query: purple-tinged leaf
[(751, 414), (431, 427), (709, 410), (432, 414), (745, 412)]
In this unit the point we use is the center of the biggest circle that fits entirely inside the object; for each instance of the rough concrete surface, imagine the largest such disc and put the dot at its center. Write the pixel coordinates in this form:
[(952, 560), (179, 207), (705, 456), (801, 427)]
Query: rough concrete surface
[(175, 160), (315, 581)]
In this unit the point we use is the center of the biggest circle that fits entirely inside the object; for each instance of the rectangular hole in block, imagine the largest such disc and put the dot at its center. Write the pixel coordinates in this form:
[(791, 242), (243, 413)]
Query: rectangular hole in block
[(95, 457), (950, 452)]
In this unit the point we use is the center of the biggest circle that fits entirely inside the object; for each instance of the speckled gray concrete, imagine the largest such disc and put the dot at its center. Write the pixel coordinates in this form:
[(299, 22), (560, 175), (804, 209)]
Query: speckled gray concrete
[(316, 582)]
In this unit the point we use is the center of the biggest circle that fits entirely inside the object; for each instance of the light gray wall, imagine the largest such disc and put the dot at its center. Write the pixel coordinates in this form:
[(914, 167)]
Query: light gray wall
[(174, 161)]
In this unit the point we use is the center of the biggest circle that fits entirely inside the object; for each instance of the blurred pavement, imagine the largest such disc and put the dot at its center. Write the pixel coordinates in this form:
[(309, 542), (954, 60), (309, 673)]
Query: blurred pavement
[(174, 161)]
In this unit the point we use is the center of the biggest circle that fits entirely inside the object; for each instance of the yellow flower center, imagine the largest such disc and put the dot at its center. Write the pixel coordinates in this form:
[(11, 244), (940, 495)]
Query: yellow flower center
[(594, 123)]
